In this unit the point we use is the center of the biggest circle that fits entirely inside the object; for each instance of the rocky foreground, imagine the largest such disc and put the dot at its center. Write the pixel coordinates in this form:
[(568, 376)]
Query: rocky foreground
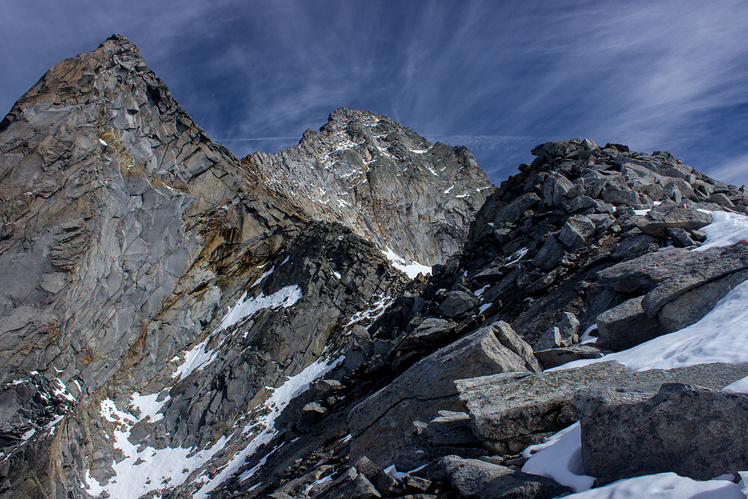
[(176, 322)]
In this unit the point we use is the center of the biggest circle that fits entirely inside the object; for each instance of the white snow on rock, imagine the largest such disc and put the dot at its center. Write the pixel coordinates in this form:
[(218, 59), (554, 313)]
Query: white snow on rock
[(284, 297), (720, 336), (195, 358), (560, 458), (411, 270), (143, 471), (662, 486), (198, 356), (726, 229), (264, 276), (373, 312), (264, 425)]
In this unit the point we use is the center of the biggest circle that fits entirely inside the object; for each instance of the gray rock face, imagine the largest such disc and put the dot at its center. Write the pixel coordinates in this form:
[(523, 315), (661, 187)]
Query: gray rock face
[(457, 303), (669, 216), (681, 287), (381, 423), (476, 478), (626, 325), (694, 432), (554, 357), (511, 411), (562, 334), (387, 183)]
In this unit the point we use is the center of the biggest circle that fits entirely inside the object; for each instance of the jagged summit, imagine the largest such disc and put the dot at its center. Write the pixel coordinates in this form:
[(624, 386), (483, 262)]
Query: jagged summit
[(382, 179)]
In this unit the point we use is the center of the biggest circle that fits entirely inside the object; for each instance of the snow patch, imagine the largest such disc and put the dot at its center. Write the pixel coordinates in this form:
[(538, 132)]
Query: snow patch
[(411, 270), (269, 412), (516, 256), (373, 312), (726, 229), (665, 485), (195, 358), (264, 276), (143, 471), (560, 458), (284, 297)]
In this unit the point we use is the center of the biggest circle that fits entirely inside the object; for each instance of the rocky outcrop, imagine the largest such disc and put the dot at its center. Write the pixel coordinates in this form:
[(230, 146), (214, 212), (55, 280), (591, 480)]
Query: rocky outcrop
[(382, 423), (475, 478), (510, 411), (694, 432), (383, 180)]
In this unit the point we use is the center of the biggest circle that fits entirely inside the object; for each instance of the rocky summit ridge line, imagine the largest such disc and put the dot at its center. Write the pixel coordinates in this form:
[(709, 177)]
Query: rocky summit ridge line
[(176, 322), (383, 180)]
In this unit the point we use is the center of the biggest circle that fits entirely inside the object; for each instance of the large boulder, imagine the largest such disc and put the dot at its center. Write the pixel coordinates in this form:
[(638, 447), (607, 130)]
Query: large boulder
[(694, 432), (382, 424), (476, 478), (511, 411), (626, 326), (669, 216)]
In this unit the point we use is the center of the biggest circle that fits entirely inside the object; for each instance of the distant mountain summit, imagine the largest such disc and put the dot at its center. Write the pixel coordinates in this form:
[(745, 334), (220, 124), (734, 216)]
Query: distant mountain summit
[(384, 181)]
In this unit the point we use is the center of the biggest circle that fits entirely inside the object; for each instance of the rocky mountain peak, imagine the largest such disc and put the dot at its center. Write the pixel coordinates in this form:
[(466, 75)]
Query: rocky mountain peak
[(380, 178)]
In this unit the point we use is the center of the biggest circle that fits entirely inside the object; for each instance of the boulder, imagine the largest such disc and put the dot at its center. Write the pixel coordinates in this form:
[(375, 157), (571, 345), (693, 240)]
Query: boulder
[(458, 303), (616, 195), (670, 216), (694, 432), (512, 212), (575, 231), (550, 254), (579, 203), (431, 330), (476, 478), (561, 334), (554, 357), (555, 189), (351, 484), (626, 325), (449, 433), (691, 306), (382, 424), (665, 275), (694, 270), (634, 246), (310, 415), (510, 411)]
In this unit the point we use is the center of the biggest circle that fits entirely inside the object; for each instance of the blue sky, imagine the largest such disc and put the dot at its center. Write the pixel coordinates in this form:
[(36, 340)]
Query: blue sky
[(497, 76)]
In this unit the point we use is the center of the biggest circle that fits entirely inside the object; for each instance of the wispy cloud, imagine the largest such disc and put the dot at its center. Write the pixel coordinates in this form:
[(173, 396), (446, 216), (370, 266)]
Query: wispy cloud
[(669, 75), (733, 170)]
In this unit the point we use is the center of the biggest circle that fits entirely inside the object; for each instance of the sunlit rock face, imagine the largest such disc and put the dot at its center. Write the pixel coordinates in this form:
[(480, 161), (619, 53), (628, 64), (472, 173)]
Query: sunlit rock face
[(383, 180)]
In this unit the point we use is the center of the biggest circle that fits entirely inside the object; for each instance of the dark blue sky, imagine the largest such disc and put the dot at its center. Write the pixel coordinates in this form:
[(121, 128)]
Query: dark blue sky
[(497, 76)]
